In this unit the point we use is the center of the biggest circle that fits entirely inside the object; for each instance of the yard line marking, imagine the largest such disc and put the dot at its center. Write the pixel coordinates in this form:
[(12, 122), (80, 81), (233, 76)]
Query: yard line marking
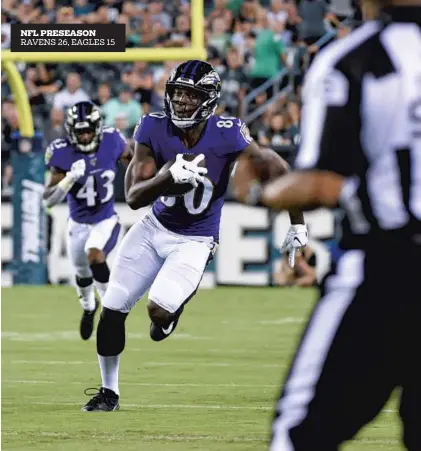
[(179, 438), (155, 406), (192, 363), (144, 384), (281, 321), (173, 406), (71, 335)]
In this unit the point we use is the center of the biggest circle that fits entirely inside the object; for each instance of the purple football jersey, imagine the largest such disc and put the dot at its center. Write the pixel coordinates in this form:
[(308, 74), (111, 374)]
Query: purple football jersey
[(91, 198), (197, 213)]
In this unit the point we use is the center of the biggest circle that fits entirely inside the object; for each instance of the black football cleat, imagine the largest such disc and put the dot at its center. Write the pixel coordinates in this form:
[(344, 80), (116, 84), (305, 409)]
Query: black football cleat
[(87, 322), (158, 333), (105, 400)]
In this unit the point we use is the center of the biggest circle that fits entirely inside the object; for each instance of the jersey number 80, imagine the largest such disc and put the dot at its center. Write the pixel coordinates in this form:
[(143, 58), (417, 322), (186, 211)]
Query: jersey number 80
[(192, 203)]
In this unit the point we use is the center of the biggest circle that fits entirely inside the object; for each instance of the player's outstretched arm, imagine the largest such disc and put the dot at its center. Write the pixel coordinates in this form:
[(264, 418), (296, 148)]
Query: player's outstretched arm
[(269, 166), (127, 155), (141, 185)]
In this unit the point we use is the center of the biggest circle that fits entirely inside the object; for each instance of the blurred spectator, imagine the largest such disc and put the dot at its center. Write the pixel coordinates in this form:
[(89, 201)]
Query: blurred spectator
[(26, 12), (82, 7), (312, 14), (249, 10), (5, 31), (158, 94), (340, 10), (277, 11), (10, 124), (220, 10), (65, 15), (40, 85), (48, 11), (243, 30), (121, 122), (55, 128), (71, 94), (140, 79), (275, 135), (182, 32), (123, 104), (133, 38), (219, 37), (234, 83), (103, 94), (294, 119), (302, 275), (270, 56), (156, 9)]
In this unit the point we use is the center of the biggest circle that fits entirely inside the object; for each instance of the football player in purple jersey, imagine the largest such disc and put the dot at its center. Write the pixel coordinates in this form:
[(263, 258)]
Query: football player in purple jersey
[(82, 167), (167, 251)]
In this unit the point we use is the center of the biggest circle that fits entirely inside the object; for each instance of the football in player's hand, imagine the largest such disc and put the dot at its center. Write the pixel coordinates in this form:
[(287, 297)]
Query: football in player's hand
[(179, 189), (263, 168)]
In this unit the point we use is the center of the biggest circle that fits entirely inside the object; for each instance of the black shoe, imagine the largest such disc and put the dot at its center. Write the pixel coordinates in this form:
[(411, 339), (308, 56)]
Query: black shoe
[(158, 333), (105, 400), (87, 322)]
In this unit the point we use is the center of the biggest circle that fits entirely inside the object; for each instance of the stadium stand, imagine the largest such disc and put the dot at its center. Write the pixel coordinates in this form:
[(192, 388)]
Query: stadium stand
[(260, 48)]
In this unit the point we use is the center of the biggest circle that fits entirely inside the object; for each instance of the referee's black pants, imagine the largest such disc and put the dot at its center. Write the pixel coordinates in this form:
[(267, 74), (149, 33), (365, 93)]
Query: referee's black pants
[(362, 341)]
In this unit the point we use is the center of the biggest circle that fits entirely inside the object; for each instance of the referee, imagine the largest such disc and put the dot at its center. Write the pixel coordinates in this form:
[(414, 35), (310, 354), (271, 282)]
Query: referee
[(361, 150)]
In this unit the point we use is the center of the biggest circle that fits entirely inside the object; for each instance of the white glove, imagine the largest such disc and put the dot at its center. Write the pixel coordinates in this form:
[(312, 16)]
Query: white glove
[(296, 239), (183, 171), (77, 170)]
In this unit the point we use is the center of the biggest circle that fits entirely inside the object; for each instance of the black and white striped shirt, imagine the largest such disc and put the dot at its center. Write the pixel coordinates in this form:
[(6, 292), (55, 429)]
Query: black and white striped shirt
[(362, 119)]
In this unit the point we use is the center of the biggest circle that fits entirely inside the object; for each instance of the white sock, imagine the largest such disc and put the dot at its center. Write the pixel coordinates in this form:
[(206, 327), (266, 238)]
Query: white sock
[(101, 287), (86, 297), (109, 366)]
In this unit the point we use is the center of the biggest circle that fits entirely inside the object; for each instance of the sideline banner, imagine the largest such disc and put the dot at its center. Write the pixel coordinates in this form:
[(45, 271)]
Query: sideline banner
[(29, 219), (247, 254)]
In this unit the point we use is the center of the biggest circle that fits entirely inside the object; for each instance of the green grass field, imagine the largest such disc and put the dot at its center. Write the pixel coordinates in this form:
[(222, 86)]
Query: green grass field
[(211, 386)]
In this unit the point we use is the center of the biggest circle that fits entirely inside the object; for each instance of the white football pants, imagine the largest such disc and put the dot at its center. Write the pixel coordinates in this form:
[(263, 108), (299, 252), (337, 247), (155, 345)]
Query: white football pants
[(150, 256)]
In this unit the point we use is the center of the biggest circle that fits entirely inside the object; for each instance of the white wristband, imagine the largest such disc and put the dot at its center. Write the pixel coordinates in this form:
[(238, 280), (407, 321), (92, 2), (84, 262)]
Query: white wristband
[(67, 183), (60, 192)]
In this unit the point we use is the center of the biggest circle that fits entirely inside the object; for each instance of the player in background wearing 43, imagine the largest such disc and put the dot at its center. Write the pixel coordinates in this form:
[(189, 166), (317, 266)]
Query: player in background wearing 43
[(182, 165), (82, 168)]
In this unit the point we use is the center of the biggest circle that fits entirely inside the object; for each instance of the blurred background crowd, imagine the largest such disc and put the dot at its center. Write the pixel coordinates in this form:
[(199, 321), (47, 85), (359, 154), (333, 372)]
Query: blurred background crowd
[(261, 49)]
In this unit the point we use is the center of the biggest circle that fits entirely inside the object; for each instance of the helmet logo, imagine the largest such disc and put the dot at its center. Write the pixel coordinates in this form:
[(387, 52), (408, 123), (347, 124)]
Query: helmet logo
[(212, 78)]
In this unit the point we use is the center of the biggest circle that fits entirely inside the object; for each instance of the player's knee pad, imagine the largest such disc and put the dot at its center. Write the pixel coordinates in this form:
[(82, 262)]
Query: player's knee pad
[(95, 256), (83, 281), (100, 272), (159, 315), (111, 333)]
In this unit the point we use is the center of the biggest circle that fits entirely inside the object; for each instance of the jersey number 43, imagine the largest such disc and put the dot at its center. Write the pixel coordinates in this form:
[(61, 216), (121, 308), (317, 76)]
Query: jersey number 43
[(93, 197)]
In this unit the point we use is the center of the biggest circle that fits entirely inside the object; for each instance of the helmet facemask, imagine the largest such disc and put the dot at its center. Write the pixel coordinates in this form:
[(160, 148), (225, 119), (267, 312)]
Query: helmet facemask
[(188, 101), (76, 127)]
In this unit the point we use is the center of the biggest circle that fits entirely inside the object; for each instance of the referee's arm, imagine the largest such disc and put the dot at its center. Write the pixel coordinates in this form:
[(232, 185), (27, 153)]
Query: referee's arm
[(330, 146)]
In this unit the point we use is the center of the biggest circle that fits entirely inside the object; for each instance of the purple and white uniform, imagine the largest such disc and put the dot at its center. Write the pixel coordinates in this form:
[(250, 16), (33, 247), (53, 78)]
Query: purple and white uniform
[(197, 213), (167, 251), (93, 222)]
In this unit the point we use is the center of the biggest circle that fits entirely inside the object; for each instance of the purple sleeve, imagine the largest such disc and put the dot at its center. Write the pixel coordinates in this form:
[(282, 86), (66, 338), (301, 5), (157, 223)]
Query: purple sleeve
[(121, 144), (143, 131), (57, 155), (238, 135), (243, 137)]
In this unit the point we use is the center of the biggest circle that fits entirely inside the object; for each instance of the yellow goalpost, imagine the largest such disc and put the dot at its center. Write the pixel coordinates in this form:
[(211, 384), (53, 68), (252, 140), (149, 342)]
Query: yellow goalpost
[(26, 126)]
